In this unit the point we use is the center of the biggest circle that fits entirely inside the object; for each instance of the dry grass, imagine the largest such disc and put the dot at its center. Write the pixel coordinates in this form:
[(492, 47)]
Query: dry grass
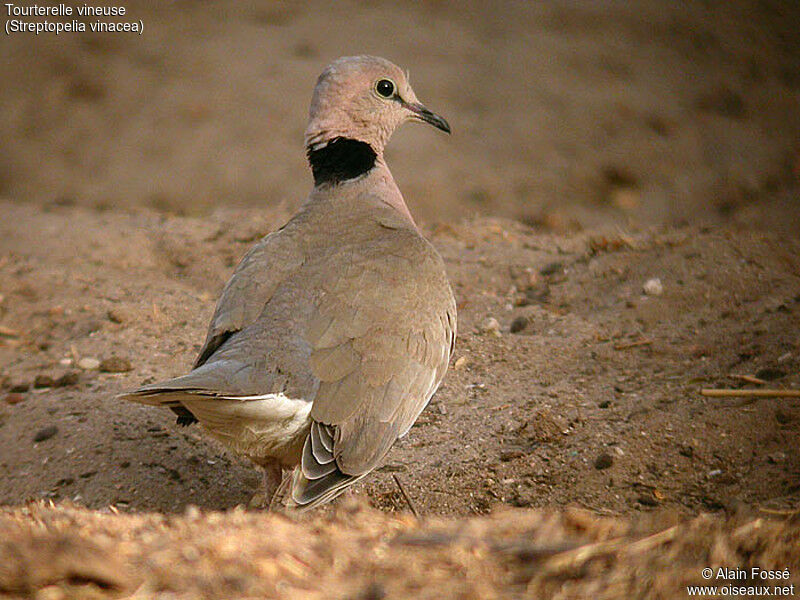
[(355, 551)]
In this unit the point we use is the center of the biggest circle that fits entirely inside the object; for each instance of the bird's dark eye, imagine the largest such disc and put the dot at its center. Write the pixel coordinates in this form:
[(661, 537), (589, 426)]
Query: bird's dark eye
[(385, 88)]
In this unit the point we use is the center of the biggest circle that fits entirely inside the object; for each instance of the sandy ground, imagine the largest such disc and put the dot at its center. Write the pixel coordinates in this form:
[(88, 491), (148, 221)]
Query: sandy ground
[(596, 147)]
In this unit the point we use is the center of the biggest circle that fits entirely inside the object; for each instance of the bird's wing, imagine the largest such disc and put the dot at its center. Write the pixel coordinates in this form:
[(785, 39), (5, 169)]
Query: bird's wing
[(381, 337), (258, 275)]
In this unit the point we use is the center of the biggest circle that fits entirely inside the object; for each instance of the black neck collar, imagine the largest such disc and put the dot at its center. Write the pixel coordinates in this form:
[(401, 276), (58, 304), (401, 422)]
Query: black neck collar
[(340, 159)]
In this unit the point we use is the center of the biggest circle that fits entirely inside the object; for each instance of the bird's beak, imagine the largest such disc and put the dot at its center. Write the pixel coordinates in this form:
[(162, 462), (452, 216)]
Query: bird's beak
[(420, 113)]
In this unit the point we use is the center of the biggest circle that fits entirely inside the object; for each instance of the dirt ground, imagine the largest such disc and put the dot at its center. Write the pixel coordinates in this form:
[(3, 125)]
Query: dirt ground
[(597, 147)]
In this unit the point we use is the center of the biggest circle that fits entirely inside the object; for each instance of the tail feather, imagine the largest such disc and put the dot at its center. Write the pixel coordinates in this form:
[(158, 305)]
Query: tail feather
[(318, 479), (204, 381), (166, 397), (220, 378), (309, 493)]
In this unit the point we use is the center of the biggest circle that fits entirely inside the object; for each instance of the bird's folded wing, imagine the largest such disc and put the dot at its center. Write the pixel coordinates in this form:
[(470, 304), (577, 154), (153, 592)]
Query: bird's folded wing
[(380, 343), (258, 275)]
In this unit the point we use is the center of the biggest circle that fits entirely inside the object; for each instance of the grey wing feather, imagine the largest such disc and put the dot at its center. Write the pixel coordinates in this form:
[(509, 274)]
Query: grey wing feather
[(320, 462), (251, 286), (254, 282), (323, 454), (308, 493), (383, 375)]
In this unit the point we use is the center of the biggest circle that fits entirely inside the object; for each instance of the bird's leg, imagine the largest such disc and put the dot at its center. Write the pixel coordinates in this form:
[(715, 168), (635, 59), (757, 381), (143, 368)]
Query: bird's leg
[(273, 476)]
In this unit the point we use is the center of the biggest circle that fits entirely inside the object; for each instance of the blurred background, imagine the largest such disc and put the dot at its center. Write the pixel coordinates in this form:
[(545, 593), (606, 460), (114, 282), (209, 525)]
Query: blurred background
[(565, 114)]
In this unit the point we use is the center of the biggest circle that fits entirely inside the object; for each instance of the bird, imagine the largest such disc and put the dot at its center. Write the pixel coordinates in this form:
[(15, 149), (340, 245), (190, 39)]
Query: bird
[(334, 331)]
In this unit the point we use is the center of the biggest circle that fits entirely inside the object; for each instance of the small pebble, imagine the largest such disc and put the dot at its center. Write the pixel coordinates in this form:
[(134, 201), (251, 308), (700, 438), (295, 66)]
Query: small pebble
[(65, 362), (67, 379), (43, 381), (115, 364), (14, 398), (603, 461), (770, 374), (507, 455), (461, 362), (518, 324), (89, 363), (490, 325), (45, 434), (116, 315), (653, 287), (646, 500)]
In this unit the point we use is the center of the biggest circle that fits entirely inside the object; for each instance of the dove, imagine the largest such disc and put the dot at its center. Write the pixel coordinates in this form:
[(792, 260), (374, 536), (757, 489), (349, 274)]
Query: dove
[(335, 331)]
